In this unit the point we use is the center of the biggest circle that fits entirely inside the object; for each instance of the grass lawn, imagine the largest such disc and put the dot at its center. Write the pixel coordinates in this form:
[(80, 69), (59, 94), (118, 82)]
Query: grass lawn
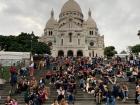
[(5, 74)]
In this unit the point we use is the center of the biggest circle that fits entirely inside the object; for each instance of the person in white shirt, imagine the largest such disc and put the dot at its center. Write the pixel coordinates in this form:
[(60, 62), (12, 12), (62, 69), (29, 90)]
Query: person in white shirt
[(31, 68), (61, 94)]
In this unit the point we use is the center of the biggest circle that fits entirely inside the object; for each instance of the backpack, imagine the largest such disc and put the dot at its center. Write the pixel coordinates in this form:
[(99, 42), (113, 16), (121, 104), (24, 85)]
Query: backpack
[(110, 99)]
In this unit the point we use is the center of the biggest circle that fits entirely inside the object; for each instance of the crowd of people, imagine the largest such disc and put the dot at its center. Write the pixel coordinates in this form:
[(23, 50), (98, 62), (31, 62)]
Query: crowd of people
[(102, 79), (24, 82), (107, 81)]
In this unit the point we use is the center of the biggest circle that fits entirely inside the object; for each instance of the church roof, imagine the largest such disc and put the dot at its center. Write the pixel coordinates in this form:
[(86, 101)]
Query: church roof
[(71, 5), (90, 21), (51, 22)]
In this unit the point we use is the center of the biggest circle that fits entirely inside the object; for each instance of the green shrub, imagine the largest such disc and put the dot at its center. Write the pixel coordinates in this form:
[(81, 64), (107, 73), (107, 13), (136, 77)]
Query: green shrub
[(4, 72)]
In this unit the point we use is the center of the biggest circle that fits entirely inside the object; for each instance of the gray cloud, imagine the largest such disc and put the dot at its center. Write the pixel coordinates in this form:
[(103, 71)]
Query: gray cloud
[(117, 20)]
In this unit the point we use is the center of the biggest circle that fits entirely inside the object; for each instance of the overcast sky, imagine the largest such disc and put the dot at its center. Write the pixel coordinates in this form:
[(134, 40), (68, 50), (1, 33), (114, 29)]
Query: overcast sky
[(117, 20)]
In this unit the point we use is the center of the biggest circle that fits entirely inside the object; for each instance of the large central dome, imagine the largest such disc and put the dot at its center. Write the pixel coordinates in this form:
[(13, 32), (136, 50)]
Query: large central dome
[(71, 6)]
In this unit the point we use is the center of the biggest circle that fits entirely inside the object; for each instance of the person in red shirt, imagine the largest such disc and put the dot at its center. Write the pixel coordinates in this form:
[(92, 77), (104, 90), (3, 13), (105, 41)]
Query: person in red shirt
[(13, 69)]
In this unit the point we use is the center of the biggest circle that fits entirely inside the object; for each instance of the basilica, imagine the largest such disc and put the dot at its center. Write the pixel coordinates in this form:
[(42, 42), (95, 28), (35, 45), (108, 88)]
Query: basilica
[(71, 34)]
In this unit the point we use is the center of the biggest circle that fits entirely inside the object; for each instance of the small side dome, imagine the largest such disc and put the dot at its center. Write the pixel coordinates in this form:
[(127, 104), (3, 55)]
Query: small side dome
[(51, 22), (90, 21)]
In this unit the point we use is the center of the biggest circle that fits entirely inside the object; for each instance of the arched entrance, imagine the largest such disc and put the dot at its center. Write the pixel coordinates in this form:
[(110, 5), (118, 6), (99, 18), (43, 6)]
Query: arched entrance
[(60, 53), (80, 53), (70, 53)]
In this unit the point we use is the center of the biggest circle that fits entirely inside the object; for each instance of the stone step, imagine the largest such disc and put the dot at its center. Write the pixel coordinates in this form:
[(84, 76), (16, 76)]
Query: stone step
[(79, 101), (82, 98)]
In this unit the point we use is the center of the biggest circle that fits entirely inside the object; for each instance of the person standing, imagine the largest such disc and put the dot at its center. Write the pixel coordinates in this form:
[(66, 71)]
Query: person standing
[(13, 82), (31, 68), (13, 69)]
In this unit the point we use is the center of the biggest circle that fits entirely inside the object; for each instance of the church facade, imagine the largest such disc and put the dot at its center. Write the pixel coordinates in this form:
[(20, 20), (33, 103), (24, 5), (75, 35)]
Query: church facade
[(72, 35)]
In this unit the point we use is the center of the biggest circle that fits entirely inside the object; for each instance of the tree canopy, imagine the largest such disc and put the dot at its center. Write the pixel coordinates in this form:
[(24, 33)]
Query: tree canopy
[(110, 51), (135, 49), (24, 42)]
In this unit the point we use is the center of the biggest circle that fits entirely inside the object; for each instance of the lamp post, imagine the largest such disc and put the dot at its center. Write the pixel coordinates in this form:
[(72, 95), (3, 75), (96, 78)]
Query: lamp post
[(32, 35), (0, 46), (138, 34)]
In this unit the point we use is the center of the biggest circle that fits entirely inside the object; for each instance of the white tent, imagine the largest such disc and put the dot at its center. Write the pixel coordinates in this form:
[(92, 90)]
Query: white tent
[(2, 81), (8, 58), (121, 55)]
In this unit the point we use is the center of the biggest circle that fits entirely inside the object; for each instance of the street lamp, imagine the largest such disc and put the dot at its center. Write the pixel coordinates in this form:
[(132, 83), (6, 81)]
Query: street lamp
[(138, 34), (32, 36), (0, 46), (31, 43)]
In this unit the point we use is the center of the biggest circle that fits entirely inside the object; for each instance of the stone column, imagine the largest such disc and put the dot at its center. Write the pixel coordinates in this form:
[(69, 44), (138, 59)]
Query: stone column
[(74, 52), (65, 53), (54, 53)]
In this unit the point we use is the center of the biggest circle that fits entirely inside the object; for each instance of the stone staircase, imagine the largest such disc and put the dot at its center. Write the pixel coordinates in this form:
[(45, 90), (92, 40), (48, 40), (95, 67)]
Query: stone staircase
[(81, 98), (5, 92)]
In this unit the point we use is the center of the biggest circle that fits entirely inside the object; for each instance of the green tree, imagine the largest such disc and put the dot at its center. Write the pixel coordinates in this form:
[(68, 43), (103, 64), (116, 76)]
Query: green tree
[(135, 49), (40, 48), (110, 51), (24, 42)]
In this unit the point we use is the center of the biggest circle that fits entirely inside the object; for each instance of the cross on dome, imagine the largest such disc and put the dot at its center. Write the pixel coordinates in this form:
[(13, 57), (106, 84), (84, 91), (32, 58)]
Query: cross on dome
[(89, 13), (52, 13)]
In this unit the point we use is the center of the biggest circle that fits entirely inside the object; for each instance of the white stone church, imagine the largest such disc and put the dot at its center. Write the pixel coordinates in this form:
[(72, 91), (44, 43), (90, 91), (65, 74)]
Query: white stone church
[(72, 35)]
